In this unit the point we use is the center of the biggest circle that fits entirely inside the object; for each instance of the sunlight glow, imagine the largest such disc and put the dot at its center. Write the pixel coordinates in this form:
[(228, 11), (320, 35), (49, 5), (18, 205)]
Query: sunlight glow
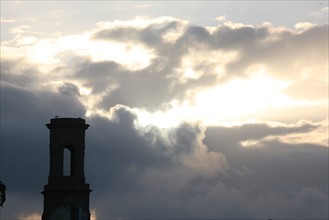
[(166, 119), (233, 102), (93, 214), (237, 100), (50, 53), (32, 216), (85, 90), (241, 99)]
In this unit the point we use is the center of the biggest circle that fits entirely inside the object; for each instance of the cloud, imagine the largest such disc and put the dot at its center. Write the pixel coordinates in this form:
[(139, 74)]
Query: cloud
[(259, 167), (69, 89), (157, 64), (304, 25), (195, 171), (255, 49), (143, 6), (7, 20), (24, 113), (187, 170), (134, 171)]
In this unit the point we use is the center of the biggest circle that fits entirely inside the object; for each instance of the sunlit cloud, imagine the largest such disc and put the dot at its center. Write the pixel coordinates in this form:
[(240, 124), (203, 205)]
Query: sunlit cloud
[(7, 20), (200, 61), (133, 57), (234, 25), (47, 53), (138, 22), (317, 135), (304, 25), (143, 6), (221, 99), (232, 101), (172, 35), (20, 29)]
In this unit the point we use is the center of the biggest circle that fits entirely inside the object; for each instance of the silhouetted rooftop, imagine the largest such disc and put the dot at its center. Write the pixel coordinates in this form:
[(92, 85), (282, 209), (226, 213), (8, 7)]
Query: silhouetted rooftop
[(66, 122)]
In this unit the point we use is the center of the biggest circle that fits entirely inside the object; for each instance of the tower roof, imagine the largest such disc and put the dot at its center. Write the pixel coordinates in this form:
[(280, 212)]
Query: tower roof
[(67, 122)]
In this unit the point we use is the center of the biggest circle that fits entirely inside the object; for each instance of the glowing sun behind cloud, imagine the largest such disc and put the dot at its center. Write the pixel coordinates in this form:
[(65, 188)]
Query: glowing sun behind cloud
[(241, 99), (236, 100)]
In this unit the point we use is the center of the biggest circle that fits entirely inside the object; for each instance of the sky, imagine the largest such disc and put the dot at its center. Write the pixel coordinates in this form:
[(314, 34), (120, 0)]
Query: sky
[(197, 109)]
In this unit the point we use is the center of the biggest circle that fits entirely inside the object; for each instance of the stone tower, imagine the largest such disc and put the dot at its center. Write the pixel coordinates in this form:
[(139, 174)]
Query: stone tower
[(66, 196)]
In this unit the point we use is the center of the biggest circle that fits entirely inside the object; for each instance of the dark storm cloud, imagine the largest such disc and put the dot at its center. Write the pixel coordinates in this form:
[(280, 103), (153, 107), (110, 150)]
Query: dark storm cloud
[(143, 167), (152, 175), (24, 142), (133, 150), (259, 168), (183, 172)]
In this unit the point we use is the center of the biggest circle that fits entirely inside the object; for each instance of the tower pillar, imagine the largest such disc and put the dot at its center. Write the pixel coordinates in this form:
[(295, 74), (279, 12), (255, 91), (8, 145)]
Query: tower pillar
[(66, 195)]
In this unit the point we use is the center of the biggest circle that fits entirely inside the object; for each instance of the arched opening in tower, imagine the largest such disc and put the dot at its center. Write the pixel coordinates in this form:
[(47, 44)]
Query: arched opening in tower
[(67, 162)]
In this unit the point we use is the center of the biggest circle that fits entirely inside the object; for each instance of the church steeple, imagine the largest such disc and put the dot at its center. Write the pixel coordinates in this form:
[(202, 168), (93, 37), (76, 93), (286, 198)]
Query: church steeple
[(66, 196)]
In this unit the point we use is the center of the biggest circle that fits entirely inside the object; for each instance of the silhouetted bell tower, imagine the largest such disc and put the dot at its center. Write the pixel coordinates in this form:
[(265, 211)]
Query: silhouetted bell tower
[(66, 196)]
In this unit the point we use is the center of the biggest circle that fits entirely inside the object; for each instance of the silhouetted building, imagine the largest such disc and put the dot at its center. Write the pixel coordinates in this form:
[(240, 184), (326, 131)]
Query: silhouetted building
[(66, 196), (2, 193)]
